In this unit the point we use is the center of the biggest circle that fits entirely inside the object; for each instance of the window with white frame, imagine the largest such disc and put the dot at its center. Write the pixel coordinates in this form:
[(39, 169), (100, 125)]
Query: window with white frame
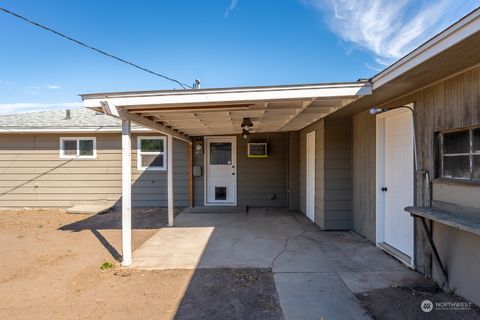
[(78, 148), (460, 154), (151, 153)]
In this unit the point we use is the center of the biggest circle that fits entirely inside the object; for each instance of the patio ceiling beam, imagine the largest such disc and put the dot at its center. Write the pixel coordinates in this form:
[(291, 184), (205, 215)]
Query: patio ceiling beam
[(305, 104), (210, 108), (118, 112)]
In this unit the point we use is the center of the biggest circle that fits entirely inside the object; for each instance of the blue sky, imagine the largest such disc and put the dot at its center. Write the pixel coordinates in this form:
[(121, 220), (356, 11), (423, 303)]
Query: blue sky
[(221, 42)]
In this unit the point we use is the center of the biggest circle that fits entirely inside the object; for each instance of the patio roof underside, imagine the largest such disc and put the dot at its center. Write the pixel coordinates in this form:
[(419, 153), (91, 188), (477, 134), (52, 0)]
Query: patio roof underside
[(221, 111)]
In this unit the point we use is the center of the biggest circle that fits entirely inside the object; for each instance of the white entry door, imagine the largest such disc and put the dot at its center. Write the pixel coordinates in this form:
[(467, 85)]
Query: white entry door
[(221, 170), (310, 178), (398, 186)]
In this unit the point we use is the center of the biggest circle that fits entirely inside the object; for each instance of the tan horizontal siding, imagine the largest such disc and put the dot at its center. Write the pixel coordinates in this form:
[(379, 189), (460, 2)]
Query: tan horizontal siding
[(33, 175)]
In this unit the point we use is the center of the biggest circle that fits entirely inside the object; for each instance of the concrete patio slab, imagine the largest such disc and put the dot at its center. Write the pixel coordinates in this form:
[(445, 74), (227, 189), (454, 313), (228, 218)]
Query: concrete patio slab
[(317, 296), (317, 273), (158, 253), (363, 281), (249, 240)]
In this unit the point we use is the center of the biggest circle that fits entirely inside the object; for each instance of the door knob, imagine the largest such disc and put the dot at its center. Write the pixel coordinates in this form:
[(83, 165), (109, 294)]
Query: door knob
[(384, 189)]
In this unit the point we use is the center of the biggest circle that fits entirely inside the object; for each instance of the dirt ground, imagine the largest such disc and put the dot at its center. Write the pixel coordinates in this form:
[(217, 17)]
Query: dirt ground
[(398, 303), (50, 269)]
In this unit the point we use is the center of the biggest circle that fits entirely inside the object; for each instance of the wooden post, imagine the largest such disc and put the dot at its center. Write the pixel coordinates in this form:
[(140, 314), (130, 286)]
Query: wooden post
[(190, 174), (170, 180), (126, 193)]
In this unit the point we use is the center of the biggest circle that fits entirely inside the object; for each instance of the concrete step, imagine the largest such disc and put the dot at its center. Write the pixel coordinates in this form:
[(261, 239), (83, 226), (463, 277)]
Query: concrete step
[(217, 209), (89, 209)]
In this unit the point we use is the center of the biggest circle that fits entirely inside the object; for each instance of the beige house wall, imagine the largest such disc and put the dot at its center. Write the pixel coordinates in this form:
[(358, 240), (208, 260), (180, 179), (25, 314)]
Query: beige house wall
[(33, 175)]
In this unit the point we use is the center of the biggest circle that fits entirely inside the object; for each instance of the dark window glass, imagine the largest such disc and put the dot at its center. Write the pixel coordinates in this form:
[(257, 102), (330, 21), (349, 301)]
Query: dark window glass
[(220, 193), (476, 167), (152, 160), (151, 145), (476, 140), (258, 149), (70, 147), (220, 153), (86, 147), (456, 167), (456, 142)]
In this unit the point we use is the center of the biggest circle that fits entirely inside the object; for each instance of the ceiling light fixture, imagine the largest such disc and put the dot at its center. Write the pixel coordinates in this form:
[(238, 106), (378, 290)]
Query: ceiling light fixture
[(246, 125)]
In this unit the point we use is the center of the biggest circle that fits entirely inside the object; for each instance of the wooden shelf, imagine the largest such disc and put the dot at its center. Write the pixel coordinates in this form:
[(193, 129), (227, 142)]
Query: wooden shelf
[(458, 220)]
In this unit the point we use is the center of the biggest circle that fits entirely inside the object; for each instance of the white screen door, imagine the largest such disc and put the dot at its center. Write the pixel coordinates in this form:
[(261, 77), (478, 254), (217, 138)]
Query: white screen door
[(399, 179), (310, 178), (220, 163)]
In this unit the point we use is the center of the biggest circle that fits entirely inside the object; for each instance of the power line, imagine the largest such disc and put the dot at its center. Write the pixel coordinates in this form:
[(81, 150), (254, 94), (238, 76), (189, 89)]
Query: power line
[(183, 85)]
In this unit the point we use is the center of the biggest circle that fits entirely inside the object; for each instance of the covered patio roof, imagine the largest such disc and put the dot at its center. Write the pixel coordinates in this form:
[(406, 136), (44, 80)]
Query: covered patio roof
[(182, 114), (199, 112)]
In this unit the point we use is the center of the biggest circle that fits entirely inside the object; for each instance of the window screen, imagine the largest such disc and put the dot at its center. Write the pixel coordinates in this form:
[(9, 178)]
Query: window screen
[(85, 147), (70, 147), (77, 148)]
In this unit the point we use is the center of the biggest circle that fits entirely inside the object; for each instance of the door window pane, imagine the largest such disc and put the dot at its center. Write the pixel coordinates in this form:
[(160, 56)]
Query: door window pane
[(220, 153), (456, 142), (70, 147), (456, 167), (220, 193), (86, 147)]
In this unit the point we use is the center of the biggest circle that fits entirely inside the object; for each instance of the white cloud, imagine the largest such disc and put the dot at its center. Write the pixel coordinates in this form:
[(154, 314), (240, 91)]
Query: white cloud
[(33, 90), (6, 83), (34, 106), (231, 7), (390, 29)]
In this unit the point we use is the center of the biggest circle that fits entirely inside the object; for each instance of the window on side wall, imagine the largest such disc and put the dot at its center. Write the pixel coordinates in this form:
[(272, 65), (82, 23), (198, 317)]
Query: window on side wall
[(78, 148), (460, 155), (151, 153)]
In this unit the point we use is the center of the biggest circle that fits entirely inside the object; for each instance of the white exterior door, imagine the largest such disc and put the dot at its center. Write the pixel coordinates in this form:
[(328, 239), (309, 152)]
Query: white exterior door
[(398, 181), (310, 178), (220, 164)]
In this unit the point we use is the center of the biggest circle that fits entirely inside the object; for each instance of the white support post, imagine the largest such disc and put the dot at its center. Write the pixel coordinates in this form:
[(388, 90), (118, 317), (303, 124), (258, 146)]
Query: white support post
[(126, 193), (170, 179)]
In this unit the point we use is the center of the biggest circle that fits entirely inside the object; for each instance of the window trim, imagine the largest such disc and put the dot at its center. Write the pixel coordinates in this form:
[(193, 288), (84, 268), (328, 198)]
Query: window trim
[(470, 155), (140, 153), (78, 156)]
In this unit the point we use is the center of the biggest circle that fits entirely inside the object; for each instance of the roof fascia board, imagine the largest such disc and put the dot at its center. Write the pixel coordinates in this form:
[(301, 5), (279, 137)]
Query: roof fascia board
[(459, 31), (220, 90), (233, 96)]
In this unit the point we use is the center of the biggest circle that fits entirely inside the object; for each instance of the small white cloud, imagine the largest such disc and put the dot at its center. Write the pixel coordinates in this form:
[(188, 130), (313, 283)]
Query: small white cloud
[(231, 7), (389, 29), (7, 108), (6, 83), (33, 90)]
